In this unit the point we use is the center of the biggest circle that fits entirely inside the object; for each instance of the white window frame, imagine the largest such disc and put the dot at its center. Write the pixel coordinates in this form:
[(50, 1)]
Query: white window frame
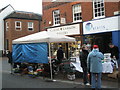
[(18, 26), (94, 17), (74, 13), (30, 26), (7, 26), (54, 22), (54, 0)]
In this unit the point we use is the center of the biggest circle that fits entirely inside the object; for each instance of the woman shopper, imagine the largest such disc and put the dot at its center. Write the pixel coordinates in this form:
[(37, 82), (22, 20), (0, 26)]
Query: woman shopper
[(83, 59), (94, 62)]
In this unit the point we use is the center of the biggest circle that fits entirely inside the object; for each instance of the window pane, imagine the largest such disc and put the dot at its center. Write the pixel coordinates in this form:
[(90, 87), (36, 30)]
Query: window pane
[(98, 8), (77, 12), (18, 24), (102, 9), (103, 13), (102, 4), (56, 15), (95, 6), (98, 5), (95, 15), (99, 14)]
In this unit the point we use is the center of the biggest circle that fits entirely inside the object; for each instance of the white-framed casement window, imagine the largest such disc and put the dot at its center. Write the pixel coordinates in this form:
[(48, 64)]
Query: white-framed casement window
[(30, 26), (98, 9), (54, 0), (18, 25), (7, 26), (56, 17), (77, 13)]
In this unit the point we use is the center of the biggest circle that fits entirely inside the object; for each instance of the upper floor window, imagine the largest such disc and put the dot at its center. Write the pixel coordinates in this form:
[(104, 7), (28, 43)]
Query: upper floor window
[(7, 26), (77, 13), (54, 0), (56, 17), (18, 25), (30, 26), (98, 8)]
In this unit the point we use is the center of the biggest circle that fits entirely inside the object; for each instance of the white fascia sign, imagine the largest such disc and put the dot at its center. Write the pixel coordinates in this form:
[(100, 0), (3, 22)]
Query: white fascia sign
[(65, 30), (102, 25)]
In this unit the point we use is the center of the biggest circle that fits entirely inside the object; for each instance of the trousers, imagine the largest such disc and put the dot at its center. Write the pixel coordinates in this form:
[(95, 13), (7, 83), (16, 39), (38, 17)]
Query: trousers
[(96, 80)]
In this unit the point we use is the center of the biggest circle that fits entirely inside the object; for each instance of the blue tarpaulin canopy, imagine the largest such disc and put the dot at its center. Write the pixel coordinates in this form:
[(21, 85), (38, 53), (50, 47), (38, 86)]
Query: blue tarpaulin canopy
[(33, 48), (31, 53)]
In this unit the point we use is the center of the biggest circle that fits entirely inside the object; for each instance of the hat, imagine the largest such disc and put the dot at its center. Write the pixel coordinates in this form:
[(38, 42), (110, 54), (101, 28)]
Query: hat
[(95, 46)]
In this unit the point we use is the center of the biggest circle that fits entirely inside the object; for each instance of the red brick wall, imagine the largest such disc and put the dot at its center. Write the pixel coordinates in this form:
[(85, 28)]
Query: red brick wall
[(111, 7), (66, 12), (12, 34), (87, 11)]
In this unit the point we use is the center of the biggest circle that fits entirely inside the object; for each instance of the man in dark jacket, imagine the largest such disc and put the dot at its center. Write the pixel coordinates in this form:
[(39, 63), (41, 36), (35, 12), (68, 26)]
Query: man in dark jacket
[(114, 51), (60, 55), (83, 59), (9, 55)]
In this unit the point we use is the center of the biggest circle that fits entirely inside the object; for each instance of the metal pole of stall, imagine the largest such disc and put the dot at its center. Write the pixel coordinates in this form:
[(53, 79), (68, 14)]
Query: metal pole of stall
[(50, 62), (75, 49)]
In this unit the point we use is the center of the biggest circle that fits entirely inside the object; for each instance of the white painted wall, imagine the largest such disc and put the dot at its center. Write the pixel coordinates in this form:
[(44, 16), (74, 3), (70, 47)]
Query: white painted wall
[(3, 14)]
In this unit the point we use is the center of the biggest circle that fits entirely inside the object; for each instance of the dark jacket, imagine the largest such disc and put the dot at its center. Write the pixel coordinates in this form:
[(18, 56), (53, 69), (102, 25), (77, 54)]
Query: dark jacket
[(114, 52), (59, 54), (83, 58), (9, 55)]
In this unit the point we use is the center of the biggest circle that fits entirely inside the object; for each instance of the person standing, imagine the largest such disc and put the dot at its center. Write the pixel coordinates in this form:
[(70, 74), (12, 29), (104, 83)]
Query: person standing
[(10, 61), (94, 63), (9, 55), (83, 59), (114, 52), (60, 55)]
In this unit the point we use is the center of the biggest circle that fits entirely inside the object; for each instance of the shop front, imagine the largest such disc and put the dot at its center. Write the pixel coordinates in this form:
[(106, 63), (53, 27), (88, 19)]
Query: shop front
[(102, 32), (69, 49)]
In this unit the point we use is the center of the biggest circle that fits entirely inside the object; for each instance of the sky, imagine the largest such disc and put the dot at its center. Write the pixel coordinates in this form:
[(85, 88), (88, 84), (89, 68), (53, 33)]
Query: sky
[(24, 5)]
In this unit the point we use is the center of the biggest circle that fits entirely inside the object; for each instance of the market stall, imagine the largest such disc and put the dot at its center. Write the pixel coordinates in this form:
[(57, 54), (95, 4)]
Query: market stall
[(33, 40), (108, 64)]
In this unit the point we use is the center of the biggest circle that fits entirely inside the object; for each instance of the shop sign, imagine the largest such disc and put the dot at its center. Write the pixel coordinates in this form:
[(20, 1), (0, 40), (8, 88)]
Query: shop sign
[(101, 25), (65, 30)]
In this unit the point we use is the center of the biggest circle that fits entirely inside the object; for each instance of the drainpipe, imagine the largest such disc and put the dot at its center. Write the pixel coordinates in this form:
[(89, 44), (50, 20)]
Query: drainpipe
[(39, 25), (40, 20)]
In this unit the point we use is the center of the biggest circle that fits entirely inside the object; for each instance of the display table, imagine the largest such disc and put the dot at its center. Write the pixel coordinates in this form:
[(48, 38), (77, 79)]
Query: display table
[(77, 64), (107, 66)]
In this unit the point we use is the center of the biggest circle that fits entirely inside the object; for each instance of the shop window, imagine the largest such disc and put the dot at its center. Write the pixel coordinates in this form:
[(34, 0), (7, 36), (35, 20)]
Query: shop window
[(30, 26), (18, 25), (7, 26), (77, 13), (56, 17), (98, 8)]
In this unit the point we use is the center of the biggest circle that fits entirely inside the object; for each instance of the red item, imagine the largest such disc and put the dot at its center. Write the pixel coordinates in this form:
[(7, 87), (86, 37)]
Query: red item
[(95, 46)]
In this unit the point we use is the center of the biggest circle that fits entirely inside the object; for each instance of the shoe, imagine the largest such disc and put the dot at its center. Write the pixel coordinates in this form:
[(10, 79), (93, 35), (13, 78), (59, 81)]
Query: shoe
[(87, 84)]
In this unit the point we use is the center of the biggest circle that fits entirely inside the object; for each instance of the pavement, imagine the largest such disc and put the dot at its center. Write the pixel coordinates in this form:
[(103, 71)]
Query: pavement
[(60, 81)]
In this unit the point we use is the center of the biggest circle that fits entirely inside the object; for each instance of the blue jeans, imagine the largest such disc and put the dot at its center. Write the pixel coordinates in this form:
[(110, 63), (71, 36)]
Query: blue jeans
[(96, 80)]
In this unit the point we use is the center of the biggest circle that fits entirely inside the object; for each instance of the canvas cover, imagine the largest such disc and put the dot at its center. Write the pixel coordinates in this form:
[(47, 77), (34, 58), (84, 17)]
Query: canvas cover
[(31, 53), (43, 36)]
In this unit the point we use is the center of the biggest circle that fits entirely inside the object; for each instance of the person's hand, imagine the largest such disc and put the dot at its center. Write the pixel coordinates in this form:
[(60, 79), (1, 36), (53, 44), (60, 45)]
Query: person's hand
[(114, 57)]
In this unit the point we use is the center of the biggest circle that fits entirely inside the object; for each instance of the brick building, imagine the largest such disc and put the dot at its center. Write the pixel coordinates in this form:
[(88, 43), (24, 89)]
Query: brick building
[(68, 18), (19, 24), (5, 11)]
